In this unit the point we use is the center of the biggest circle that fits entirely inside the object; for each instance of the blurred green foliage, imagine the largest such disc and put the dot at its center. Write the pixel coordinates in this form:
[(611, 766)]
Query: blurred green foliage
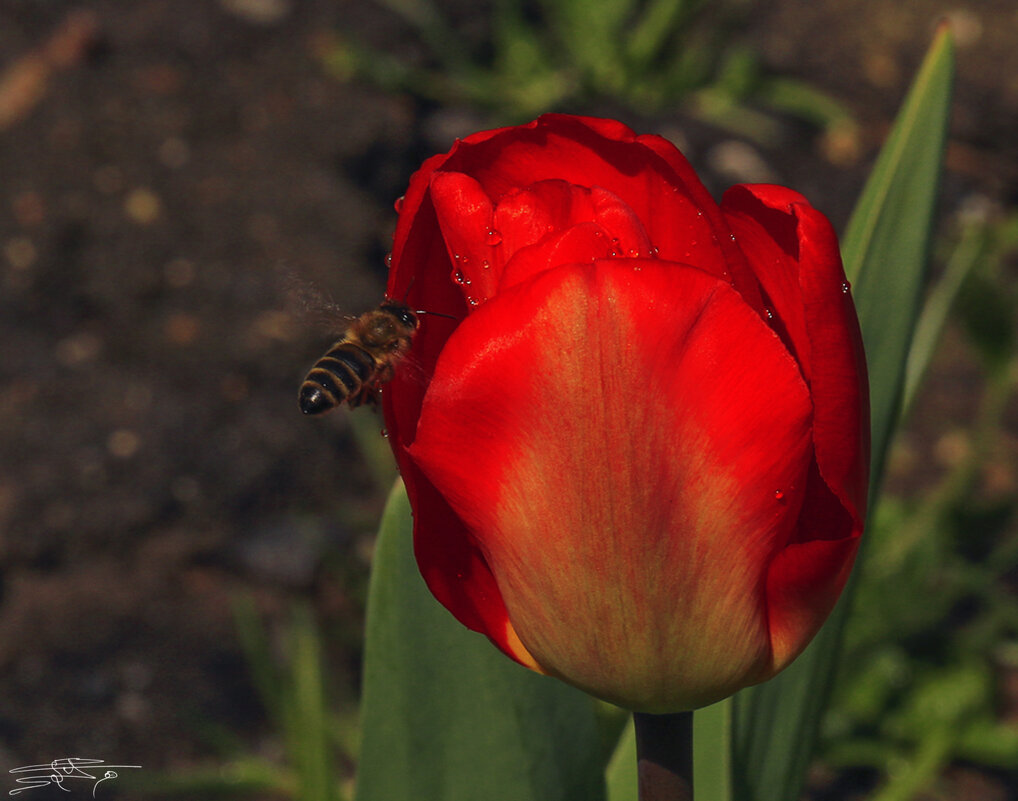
[(647, 55), (314, 734), (933, 634)]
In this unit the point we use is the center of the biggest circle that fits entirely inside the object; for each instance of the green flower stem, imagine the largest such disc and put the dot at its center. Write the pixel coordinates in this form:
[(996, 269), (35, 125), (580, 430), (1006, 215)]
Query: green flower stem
[(664, 754)]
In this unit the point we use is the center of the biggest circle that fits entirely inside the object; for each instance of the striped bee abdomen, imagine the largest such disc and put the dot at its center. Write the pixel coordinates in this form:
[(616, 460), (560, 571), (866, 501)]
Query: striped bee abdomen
[(357, 365)]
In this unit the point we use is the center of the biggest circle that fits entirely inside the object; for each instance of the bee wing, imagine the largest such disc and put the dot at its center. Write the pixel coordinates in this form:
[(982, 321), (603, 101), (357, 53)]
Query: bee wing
[(314, 306), (411, 369)]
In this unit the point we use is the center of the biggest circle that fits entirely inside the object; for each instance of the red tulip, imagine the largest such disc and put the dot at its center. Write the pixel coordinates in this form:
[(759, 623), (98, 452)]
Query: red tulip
[(637, 457)]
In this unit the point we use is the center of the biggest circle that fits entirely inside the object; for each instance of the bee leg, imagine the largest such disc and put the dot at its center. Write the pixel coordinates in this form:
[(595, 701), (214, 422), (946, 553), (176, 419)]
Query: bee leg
[(369, 394)]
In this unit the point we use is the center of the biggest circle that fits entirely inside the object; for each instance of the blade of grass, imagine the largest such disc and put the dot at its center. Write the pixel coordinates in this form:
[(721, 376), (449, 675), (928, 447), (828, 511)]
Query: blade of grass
[(308, 736), (885, 251), (966, 255), (254, 641), (445, 716)]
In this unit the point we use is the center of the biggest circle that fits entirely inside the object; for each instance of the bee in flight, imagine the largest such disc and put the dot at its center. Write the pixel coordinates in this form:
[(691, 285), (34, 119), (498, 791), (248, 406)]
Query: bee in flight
[(356, 366)]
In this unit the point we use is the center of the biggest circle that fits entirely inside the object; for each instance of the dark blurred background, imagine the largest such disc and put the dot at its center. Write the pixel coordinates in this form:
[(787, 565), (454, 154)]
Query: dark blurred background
[(189, 187)]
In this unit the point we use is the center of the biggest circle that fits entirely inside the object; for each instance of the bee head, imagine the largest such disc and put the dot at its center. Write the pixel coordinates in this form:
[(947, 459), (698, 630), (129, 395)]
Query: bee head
[(402, 313)]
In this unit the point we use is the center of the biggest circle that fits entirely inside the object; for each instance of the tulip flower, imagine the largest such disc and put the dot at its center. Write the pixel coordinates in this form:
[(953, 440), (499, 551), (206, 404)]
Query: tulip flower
[(637, 453)]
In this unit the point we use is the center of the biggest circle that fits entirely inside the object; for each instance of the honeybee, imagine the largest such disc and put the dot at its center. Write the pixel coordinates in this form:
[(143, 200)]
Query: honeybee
[(356, 366)]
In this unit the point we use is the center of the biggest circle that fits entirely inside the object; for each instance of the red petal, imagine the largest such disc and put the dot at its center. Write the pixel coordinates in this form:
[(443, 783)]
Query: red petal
[(567, 224), (466, 217), (455, 570), (582, 243), (680, 218), (409, 228), (627, 443), (794, 252), (420, 270), (803, 584)]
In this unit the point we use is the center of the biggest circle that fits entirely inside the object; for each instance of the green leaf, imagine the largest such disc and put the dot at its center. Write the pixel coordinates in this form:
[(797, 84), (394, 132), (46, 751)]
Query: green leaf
[(887, 242), (885, 250), (621, 774), (712, 764), (446, 716)]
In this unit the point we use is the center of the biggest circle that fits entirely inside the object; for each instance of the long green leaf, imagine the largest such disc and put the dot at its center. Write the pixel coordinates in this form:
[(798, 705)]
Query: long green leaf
[(712, 765), (885, 250), (445, 716), (621, 775)]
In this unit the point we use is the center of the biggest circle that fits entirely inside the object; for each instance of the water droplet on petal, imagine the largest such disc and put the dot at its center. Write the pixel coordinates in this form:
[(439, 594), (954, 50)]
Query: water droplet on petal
[(493, 237), (388, 259), (732, 237), (769, 312), (845, 287), (633, 253), (384, 433), (779, 495), (486, 264), (457, 276), (398, 205)]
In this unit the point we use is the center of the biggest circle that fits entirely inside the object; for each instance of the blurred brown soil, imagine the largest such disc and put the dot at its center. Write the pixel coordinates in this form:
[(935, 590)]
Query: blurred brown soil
[(169, 171)]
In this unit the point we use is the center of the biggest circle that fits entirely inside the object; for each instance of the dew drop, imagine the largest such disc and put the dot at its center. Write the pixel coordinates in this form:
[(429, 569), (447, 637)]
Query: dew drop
[(388, 259), (768, 312), (457, 276), (384, 433), (398, 205), (845, 287), (732, 237), (486, 264), (633, 253), (779, 495), (654, 251), (493, 237)]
